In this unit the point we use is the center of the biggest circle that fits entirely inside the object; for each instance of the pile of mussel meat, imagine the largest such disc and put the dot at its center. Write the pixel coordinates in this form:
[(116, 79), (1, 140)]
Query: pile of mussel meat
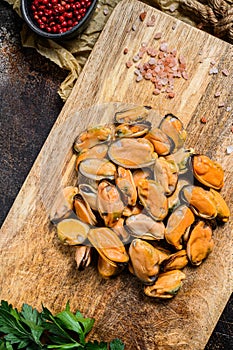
[(142, 201)]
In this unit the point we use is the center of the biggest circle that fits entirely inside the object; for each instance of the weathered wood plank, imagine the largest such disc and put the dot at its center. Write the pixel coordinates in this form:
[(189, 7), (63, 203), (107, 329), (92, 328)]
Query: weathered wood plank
[(35, 268)]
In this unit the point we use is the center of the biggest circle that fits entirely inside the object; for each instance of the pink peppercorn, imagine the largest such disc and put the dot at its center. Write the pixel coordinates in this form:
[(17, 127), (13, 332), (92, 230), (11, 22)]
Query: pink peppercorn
[(58, 16)]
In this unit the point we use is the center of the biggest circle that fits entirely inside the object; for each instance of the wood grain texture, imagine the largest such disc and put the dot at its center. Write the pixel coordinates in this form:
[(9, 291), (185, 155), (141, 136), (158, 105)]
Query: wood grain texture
[(36, 268)]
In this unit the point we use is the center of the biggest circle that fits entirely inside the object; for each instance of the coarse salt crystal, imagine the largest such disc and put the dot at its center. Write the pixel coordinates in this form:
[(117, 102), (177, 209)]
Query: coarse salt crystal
[(156, 92), (163, 47), (152, 61), (229, 149), (217, 94), (225, 72), (139, 78), (184, 75), (158, 36), (134, 27), (172, 8), (213, 70), (136, 58), (148, 76), (213, 62), (129, 64)]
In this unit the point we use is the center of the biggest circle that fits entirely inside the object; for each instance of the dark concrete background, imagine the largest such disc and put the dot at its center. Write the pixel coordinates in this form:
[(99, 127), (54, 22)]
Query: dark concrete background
[(29, 106)]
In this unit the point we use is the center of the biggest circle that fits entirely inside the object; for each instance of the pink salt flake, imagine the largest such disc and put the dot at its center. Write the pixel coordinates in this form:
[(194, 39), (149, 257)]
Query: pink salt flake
[(137, 72), (161, 55), (172, 8), (171, 95), (217, 94), (150, 24), (173, 52), (213, 70), (213, 62), (156, 92), (185, 75), (136, 58), (148, 76), (225, 72), (158, 36), (139, 78), (152, 61), (141, 54), (153, 53), (164, 81), (129, 64), (163, 47), (182, 59)]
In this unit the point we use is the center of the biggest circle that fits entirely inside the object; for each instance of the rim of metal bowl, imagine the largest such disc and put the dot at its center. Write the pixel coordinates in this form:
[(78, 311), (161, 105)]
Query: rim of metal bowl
[(25, 10)]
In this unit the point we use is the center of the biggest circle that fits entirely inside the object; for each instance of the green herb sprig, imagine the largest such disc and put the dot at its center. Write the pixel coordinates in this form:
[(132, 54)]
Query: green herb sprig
[(33, 330)]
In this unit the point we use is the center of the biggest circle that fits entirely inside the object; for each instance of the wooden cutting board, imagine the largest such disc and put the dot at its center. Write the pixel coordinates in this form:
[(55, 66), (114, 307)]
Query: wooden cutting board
[(36, 268)]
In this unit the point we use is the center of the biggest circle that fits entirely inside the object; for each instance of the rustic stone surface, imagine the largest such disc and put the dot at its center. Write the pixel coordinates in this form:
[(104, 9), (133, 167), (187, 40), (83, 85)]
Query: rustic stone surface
[(29, 105)]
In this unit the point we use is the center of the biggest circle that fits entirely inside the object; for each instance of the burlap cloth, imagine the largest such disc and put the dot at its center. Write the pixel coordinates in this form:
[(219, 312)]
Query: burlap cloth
[(213, 16)]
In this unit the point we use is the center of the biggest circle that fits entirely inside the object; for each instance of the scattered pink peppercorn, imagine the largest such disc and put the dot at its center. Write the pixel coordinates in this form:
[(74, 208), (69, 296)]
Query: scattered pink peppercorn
[(58, 16)]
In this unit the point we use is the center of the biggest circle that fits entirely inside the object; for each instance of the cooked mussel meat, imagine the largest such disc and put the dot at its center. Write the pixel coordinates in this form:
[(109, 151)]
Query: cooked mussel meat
[(173, 127), (176, 261), (166, 286), (83, 210), (174, 199), (83, 256), (132, 153), (200, 243), (97, 169), (162, 143), (119, 229), (125, 183), (152, 197), (108, 245), (98, 151), (89, 194), (132, 115), (106, 269), (143, 226), (72, 231), (141, 174), (182, 159), (109, 203), (166, 173), (145, 261), (132, 130), (92, 136), (178, 223), (223, 211), (200, 201), (63, 203), (207, 171)]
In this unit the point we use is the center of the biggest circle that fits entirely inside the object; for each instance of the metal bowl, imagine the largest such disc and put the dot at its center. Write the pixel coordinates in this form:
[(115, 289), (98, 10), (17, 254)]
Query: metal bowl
[(70, 34)]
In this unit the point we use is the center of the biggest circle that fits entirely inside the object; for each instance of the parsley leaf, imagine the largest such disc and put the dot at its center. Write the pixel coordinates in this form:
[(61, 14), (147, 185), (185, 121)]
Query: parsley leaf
[(116, 344), (12, 324), (33, 330)]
